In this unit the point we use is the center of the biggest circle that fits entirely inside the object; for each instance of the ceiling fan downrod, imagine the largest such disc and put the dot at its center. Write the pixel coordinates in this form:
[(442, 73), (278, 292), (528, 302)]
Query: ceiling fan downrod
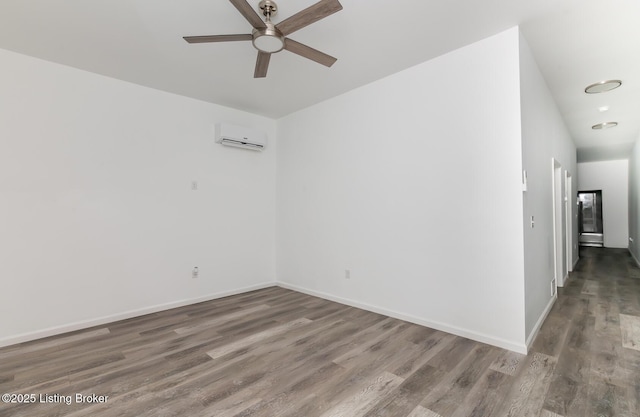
[(269, 8)]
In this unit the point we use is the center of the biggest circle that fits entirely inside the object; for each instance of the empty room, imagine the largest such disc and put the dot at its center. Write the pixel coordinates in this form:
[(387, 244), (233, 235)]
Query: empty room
[(319, 208)]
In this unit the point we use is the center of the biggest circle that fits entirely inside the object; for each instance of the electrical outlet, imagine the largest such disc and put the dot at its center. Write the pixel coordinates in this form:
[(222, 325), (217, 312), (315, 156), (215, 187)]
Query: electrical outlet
[(347, 274), (195, 272)]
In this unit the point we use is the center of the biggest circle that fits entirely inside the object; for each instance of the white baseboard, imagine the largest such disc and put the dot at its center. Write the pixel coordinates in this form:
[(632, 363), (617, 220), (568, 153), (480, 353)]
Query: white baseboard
[(575, 263), (541, 319), (53, 331), (479, 337)]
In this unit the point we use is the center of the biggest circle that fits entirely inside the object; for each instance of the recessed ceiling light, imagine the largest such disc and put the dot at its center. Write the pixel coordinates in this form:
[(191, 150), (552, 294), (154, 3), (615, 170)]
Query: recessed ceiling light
[(605, 125), (603, 109), (603, 86)]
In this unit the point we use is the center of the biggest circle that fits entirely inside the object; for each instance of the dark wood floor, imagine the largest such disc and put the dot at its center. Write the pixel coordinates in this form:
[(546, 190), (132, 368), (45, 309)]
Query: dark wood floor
[(275, 352)]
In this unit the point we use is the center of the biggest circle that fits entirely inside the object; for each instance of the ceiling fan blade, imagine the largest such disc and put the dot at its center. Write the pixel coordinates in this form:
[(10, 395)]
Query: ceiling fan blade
[(308, 52), (249, 13), (308, 16), (217, 38), (262, 65)]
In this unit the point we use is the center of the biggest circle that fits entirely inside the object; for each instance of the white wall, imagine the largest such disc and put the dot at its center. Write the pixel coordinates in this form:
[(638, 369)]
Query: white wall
[(612, 178), (97, 216), (544, 137), (413, 184), (634, 201)]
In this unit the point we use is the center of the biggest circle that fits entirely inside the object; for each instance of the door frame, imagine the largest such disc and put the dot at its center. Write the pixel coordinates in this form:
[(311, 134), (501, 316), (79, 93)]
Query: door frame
[(568, 207), (559, 254)]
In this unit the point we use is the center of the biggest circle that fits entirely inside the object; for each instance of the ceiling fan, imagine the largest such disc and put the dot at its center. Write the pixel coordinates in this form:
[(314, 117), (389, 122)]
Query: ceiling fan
[(268, 38)]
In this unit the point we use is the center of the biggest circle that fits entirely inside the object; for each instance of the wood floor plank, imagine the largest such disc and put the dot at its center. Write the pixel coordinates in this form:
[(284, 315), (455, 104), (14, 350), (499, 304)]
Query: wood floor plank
[(54, 342), (369, 395), (485, 396), (590, 287), (582, 326), (290, 398), (230, 407), (212, 322), (451, 357), (553, 334), (508, 362), (567, 393), (279, 371), (409, 394), (608, 400), (105, 344), (633, 392), (420, 411), (430, 347), (281, 376), (630, 327), (530, 388), (607, 317), (256, 338), (627, 365), (371, 345), (349, 383), (547, 413), (452, 391)]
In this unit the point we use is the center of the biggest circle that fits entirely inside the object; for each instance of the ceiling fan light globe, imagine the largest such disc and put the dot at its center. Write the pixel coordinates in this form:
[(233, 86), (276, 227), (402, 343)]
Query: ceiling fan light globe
[(268, 44), (268, 40)]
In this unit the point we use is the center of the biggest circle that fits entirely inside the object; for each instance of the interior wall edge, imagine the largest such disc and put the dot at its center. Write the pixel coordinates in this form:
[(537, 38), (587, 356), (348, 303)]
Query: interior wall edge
[(567, 279), (633, 255), (466, 333), (536, 328), (99, 321)]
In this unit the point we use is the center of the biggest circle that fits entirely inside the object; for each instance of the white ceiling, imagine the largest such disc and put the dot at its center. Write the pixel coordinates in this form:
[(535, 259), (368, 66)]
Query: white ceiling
[(576, 43)]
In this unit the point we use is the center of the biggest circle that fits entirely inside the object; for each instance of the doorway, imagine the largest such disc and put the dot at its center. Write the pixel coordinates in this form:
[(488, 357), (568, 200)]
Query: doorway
[(590, 218)]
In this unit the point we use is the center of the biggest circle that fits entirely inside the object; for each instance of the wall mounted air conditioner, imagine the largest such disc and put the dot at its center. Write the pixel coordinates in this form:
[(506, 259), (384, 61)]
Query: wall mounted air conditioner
[(241, 137)]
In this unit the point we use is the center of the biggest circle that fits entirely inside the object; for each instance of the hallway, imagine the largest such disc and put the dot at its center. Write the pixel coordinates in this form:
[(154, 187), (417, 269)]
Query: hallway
[(591, 339)]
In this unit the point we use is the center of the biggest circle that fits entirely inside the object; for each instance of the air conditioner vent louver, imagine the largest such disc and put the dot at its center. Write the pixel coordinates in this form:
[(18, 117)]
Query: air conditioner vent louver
[(242, 144), (240, 137)]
